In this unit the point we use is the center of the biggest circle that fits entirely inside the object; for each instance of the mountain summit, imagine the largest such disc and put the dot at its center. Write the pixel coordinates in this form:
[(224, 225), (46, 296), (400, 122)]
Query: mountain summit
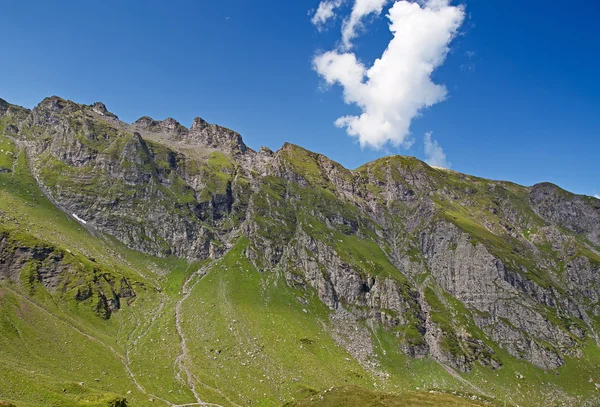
[(149, 261)]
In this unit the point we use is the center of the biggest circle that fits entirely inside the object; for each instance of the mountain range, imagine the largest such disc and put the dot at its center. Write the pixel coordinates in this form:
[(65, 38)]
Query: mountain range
[(153, 264)]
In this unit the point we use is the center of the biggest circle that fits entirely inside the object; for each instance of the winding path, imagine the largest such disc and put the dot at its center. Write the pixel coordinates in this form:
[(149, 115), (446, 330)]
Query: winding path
[(186, 290), (457, 376)]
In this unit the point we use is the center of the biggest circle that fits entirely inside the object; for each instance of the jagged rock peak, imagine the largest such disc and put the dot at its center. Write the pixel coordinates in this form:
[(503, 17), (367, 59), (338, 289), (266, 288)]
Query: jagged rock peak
[(266, 151), (291, 148), (146, 122), (57, 104), (169, 124), (548, 186), (199, 123), (11, 110), (216, 136), (101, 109), (566, 209), (4, 106)]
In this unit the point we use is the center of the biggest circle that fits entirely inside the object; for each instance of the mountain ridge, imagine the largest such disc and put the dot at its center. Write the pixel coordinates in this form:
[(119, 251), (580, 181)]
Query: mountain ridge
[(172, 124)]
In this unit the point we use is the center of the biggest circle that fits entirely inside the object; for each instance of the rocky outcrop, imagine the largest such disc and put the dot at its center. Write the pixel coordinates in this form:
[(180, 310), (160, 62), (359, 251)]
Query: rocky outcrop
[(215, 136), (568, 210), (169, 126), (471, 274), (4, 106), (62, 274), (14, 114), (583, 278), (101, 109)]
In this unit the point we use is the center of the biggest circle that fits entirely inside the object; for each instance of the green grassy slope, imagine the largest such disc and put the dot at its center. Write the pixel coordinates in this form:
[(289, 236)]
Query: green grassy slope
[(249, 338), (355, 396)]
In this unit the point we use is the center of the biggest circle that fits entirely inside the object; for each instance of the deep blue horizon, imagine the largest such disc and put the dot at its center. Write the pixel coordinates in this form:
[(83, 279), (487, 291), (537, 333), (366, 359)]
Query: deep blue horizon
[(523, 98)]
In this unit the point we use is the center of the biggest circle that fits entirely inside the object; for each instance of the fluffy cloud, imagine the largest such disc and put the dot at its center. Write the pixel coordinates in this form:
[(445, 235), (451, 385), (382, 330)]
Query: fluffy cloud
[(597, 196), (325, 11), (360, 10), (434, 153), (398, 85)]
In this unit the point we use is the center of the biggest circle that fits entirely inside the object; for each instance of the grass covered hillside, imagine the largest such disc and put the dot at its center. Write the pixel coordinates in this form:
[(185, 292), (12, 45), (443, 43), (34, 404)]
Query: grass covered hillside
[(150, 264), (355, 396)]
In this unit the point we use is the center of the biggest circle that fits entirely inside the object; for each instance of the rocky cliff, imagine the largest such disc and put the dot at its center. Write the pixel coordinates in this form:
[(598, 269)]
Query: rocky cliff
[(38, 265)]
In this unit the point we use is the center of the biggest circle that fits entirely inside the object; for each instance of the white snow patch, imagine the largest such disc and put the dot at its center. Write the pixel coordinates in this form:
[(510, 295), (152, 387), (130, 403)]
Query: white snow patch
[(79, 219)]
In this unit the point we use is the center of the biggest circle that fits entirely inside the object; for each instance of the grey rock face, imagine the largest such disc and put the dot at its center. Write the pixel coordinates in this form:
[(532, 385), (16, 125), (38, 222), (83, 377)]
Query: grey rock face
[(169, 126), (17, 112), (583, 277), (471, 274), (4, 105), (146, 122), (215, 136), (567, 210), (48, 267), (101, 109)]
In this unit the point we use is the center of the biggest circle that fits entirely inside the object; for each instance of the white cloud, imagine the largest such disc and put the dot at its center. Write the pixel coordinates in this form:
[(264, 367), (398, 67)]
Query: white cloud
[(325, 11), (434, 153), (360, 10), (596, 196), (398, 85)]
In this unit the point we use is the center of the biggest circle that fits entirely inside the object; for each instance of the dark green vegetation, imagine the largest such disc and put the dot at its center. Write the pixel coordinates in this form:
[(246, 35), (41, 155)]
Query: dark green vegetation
[(149, 264), (356, 396)]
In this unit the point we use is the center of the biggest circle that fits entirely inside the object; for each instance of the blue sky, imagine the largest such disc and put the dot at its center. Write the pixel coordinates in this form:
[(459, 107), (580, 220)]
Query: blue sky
[(523, 101)]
